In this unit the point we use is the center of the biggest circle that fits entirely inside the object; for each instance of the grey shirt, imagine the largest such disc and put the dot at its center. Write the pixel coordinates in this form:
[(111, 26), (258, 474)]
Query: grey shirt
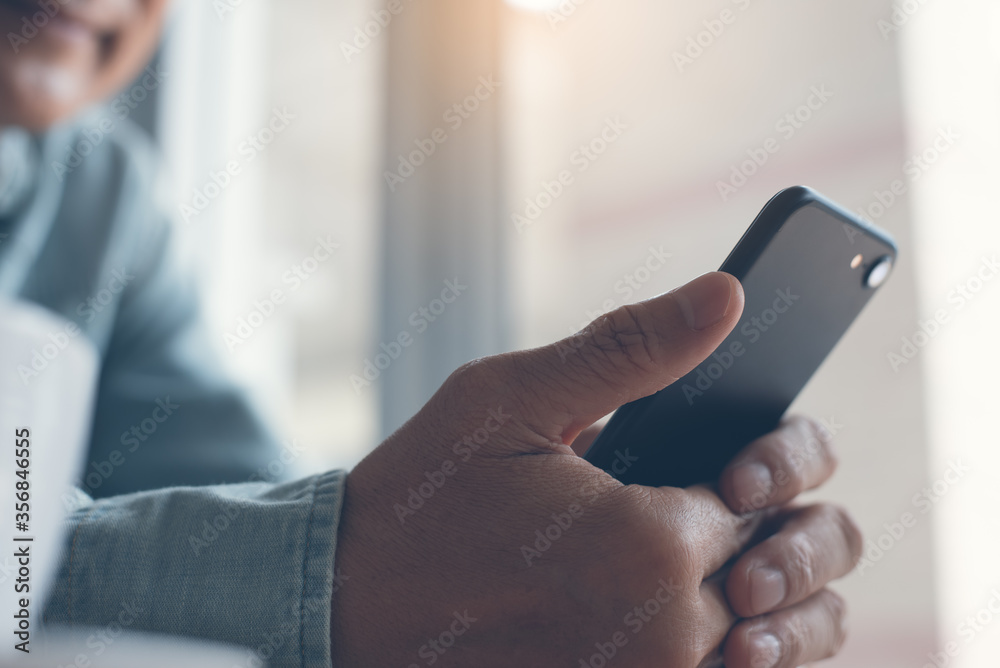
[(250, 563)]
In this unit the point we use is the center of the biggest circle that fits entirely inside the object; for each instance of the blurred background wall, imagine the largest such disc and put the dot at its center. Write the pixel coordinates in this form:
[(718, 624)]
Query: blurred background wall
[(425, 146), (693, 114)]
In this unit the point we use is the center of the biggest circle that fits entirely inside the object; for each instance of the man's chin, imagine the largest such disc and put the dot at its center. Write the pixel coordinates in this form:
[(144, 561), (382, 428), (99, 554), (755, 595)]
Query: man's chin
[(39, 89), (34, 115)]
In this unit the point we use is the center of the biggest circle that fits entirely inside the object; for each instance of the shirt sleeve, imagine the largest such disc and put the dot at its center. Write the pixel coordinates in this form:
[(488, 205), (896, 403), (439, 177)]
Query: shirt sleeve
[(250, 565)]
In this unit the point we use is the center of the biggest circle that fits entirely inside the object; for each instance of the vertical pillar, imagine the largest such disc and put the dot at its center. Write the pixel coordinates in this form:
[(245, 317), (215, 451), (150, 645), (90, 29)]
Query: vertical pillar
[(443, 198)]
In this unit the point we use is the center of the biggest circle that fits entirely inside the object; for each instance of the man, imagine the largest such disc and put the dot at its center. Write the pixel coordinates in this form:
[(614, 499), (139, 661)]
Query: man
[(474, 536)]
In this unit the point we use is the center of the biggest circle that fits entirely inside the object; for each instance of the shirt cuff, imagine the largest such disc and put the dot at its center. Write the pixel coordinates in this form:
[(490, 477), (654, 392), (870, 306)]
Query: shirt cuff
[(249, 565)]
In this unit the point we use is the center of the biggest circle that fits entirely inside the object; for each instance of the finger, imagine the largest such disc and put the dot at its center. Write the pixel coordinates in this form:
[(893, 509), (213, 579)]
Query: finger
[(811, 631), (706, 527), (710, 624), (717, 609), (718, 621), (815, 545), (630, 353), (779, 466)]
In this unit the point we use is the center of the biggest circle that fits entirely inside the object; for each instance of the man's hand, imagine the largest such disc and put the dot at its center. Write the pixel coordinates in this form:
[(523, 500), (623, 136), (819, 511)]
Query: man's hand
[(475, 536)]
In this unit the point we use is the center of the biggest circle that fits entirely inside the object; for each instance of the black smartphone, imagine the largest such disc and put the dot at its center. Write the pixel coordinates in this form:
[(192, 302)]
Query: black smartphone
[(808, 267)]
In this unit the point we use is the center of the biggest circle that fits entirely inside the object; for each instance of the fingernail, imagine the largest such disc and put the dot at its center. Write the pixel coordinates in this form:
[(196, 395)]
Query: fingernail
[(751, 482), (765, 650), (768, 589), (705, 300)]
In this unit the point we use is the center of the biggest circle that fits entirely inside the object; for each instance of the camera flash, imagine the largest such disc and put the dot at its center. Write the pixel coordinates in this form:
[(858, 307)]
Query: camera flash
[(856, 262)]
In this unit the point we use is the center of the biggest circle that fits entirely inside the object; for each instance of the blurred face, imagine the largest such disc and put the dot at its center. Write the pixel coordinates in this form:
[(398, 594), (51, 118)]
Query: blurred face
[(57, 56)]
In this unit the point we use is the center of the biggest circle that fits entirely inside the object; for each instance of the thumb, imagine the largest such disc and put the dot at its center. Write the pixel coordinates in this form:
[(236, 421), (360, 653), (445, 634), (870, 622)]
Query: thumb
[(630, 353)]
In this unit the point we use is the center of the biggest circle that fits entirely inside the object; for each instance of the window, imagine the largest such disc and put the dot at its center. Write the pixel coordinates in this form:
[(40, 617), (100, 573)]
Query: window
[(621, 150)]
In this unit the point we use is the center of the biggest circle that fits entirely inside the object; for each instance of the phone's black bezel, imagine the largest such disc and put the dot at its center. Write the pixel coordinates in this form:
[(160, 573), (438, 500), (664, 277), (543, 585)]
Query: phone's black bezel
[(741, 259), (773, 216)]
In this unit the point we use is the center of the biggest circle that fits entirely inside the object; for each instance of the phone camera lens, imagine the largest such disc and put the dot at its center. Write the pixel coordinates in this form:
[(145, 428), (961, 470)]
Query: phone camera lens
[(879, 272)]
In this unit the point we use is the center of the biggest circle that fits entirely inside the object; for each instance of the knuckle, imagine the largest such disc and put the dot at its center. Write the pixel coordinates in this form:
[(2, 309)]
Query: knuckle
[(472, 376), (820, 444), (788, 457), (626, 335), (847, 530), (795, 638), (686, 529), (805, 445), (809, 638), (686, 555), (824, 435), (662, 534), (483, 382), (808, 561), (850, 532), (801, 563), (489, 378)]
